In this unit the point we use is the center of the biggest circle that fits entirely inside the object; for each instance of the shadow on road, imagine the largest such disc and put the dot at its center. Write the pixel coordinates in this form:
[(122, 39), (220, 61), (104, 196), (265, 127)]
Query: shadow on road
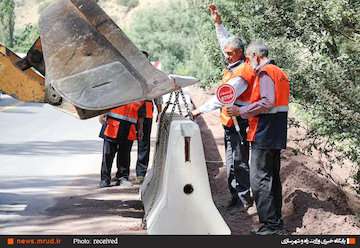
[(9, 101), (47, 148), (32, 204), (65, 147), (16, 111)]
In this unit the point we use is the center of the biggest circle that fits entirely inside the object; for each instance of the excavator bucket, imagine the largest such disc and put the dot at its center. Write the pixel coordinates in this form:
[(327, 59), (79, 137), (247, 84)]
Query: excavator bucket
[(23, 79), (92, 64)]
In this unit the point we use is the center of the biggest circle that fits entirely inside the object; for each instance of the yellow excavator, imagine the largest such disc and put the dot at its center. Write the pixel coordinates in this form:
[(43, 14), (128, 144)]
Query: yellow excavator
[(83, 64)]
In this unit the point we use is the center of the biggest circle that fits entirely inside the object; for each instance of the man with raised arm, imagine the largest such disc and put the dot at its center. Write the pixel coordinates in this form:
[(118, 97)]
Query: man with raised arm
[(241, 76)]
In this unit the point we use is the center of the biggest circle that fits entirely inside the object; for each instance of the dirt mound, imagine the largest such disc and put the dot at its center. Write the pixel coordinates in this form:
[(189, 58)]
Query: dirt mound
[(312, 203)]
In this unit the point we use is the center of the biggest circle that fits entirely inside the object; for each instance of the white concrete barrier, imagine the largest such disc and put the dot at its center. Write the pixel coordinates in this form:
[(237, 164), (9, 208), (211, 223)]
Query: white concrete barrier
[(176, 191)]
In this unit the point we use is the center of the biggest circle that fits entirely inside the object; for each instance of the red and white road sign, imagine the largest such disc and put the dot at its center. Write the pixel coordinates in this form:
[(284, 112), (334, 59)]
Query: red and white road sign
[(226, 94)]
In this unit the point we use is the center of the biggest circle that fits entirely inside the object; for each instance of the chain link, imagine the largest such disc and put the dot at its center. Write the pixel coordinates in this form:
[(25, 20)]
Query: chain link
[(189, 114), (168, 102), (175, 104), (178, 102)]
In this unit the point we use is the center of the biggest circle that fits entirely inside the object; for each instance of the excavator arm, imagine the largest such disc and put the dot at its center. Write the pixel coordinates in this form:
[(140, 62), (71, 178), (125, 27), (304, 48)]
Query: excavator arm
[(24, 84)]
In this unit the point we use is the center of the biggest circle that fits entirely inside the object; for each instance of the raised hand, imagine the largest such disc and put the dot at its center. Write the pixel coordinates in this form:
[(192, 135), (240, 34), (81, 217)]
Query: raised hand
[(214, 13)]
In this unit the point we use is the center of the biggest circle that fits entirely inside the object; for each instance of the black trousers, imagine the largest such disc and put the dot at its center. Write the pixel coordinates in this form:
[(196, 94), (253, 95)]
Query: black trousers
[(266, 186), (144, 149), (122, 150), (237, 163)]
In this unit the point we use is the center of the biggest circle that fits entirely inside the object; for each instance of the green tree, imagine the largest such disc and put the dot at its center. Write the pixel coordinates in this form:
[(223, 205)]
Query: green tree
[(317, 42), (170, 34), (7, 22), (25, 38)]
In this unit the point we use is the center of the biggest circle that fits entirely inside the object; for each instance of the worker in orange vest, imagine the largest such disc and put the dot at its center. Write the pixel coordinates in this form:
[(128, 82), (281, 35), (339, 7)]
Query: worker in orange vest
[(240, 75), (119, 132), (145, 143), (267, 115)]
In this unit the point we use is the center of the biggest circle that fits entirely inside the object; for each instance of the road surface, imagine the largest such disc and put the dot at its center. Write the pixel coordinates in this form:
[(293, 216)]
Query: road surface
[(50, 165)]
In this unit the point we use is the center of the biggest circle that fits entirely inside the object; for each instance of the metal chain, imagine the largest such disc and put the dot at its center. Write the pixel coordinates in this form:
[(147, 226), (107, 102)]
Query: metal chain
[(162, 126), (162, 114), (168, 103), (178, 103), (175, 104), (189, 114)]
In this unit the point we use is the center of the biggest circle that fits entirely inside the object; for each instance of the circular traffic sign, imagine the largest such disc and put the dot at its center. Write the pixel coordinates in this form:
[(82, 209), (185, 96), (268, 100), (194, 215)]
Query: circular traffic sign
[(226, 94)]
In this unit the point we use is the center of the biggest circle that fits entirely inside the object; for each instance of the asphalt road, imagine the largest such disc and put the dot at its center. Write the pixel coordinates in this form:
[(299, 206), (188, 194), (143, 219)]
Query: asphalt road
[(49, 175), (38, 140)]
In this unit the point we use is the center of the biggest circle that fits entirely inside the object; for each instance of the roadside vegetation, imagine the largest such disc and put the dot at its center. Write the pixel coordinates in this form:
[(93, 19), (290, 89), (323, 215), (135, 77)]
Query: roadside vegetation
[(317, 42)]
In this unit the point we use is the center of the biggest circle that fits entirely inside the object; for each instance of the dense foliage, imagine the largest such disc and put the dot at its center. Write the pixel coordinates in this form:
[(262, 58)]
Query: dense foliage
[(317, 42), (25, 38), (7, 22)]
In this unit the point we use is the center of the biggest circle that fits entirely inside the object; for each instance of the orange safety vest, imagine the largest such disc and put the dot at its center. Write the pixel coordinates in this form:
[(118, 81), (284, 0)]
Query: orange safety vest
[(149, 109), (246, 72), (282, 94), (128, 113)]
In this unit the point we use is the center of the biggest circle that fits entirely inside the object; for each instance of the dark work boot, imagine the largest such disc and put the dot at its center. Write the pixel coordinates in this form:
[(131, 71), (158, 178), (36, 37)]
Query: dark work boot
[(265, 230), (104, 183)]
